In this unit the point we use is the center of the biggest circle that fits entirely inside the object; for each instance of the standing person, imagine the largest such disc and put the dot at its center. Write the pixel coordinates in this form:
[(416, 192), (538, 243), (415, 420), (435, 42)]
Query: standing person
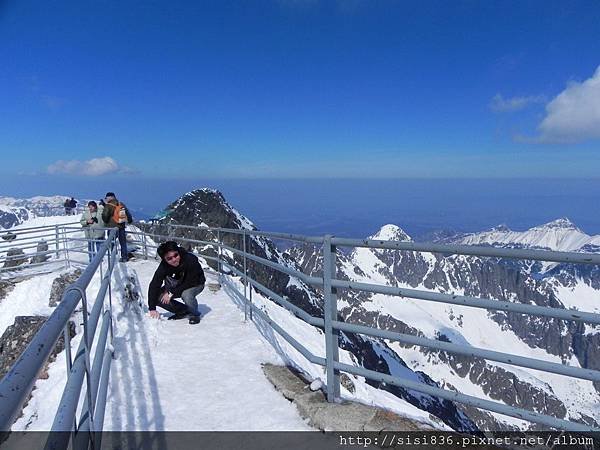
[(67, 205), (116, 215), (179, 274), (93, 226), (73, 206)]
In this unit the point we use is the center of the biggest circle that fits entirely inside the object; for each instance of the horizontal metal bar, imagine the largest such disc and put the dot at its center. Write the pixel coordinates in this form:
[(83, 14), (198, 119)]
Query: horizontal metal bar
[(496, 407), (273, 234), (531, 363), (497, 305), (29, 230), (84, 422), (280, 300), (102, 394), (293, 342), (28, 266), (281, 268), (513, 253)]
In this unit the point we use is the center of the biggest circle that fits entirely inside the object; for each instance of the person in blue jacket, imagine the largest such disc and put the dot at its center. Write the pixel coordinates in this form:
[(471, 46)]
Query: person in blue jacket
[(179, 275)]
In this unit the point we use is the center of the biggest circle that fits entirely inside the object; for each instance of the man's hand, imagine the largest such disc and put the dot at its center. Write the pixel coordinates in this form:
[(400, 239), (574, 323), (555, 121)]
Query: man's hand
[(154, 314), (166, 298)]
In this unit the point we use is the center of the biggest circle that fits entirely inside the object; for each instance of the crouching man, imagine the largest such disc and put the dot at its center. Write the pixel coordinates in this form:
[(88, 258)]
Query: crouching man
[(178, 275)]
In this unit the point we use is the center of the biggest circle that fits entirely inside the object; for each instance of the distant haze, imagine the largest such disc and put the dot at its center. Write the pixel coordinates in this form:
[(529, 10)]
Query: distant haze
[(358, 208)]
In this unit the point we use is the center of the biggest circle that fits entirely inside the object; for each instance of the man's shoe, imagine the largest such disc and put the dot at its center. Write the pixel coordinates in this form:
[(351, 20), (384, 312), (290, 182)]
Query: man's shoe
[(194, 320), (177, 316)]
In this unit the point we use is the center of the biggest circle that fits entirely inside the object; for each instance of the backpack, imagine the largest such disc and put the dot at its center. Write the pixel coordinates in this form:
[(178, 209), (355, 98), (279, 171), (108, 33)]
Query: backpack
[(119, 213)]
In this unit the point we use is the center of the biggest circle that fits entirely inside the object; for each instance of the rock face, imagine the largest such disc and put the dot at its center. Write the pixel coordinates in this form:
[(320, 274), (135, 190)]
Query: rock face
[(41, 253), (60, 284), (15, 257), (9, 217), (18, 336), (5, 287)]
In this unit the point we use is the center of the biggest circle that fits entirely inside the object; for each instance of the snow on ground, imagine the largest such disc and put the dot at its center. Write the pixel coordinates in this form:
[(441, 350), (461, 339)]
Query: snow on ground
[(170, 375)]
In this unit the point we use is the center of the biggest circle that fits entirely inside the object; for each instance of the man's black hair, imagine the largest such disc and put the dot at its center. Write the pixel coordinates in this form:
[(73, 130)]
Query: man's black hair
[(92, 203), (167, 247), (110, 194)]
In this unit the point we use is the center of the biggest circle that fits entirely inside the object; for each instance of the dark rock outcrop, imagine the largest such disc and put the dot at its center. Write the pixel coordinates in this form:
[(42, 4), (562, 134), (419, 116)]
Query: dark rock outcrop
[(60, 284), (42, 254), (17, 337), (15, 257)]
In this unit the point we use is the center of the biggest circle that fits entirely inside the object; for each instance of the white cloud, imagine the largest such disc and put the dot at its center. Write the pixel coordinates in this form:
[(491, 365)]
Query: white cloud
[(574, 114), (501, 104), (94, 167)]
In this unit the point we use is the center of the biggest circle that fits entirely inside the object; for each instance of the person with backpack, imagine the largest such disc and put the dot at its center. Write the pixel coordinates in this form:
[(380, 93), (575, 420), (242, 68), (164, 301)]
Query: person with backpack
[(179, 275), (93, 226), (116, 215)]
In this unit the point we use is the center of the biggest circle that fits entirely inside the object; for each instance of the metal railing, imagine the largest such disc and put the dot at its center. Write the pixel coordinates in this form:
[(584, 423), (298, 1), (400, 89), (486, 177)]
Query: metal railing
[(332, 326), (52, 240), (96, 373), (93, 369)]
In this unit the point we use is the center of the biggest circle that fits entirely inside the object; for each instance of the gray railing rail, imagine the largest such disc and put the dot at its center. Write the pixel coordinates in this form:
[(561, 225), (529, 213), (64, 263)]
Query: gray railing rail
[(18, 382), (332, 326)]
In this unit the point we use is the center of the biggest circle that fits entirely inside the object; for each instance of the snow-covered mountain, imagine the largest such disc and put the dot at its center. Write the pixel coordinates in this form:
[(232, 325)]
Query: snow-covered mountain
[(14, 211), (547, 285), (560, 235)]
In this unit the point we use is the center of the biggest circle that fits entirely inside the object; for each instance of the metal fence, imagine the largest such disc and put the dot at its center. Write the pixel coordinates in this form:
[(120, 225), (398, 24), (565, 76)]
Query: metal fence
[(83, 367), (16, 390), (332, 326)]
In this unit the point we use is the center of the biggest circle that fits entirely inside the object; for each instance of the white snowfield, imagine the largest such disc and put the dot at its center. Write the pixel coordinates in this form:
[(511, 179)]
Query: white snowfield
[(560, 235)]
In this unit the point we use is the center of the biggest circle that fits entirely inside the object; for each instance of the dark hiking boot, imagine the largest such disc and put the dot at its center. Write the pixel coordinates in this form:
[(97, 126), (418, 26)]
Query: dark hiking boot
[(178, 316), (194, 320)]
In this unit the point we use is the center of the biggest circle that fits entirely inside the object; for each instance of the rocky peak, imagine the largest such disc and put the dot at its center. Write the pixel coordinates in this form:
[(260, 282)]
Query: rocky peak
[(205, 207), (503, 228), (561, 224)]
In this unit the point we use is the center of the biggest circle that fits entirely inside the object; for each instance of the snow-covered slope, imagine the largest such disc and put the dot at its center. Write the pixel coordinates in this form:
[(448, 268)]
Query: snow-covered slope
[(559, 235), (544, 339), (14, 211)]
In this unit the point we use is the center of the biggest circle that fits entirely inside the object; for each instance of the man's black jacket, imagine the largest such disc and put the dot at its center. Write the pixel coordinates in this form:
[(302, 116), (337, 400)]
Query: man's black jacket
[(187, 274)]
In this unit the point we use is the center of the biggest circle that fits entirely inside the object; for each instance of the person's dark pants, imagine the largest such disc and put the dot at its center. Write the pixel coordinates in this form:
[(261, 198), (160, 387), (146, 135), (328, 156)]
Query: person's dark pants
[(191, 304), (174, 306), (189, 297), (93, 247), (123, 242)]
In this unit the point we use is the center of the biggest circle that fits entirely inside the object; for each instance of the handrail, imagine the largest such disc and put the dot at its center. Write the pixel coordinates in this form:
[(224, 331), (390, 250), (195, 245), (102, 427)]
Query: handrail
[(18, 382), (96, 374), (332, 325)]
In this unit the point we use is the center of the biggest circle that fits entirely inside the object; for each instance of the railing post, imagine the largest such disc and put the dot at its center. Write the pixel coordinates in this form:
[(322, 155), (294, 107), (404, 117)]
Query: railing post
[(145, 244), (57, 240), (245, 278), (219, 253), (330, 314)]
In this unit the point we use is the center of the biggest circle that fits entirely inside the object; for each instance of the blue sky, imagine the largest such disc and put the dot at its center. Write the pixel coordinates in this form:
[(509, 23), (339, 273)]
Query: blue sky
[(299, 89)]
